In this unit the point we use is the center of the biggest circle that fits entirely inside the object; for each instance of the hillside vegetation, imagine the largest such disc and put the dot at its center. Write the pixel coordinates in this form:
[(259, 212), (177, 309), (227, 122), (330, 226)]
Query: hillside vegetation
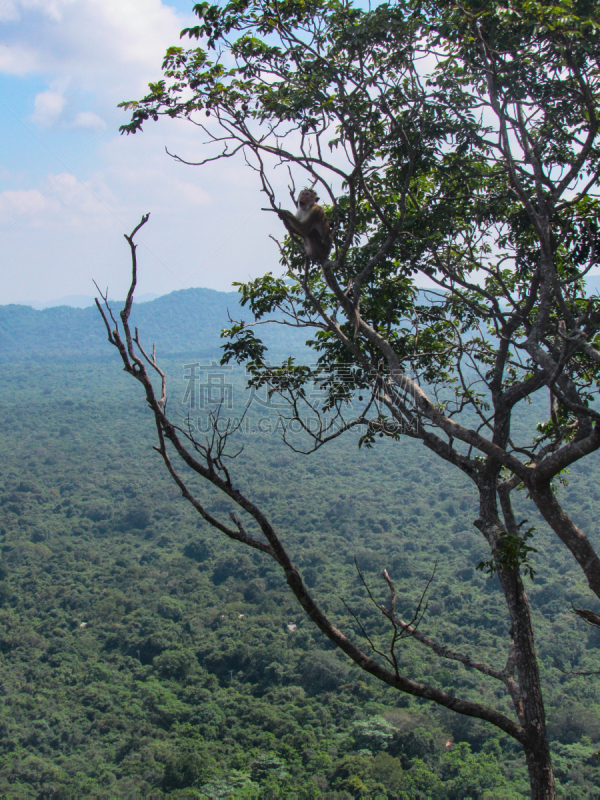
[(181, 322), (143, 654)]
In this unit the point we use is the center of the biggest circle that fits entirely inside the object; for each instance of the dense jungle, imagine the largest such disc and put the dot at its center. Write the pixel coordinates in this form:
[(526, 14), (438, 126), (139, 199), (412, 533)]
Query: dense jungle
[(143, 654)]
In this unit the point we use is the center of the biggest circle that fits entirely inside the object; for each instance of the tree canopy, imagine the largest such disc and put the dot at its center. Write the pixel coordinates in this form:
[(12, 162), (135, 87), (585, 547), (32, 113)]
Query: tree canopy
[(456, 146)]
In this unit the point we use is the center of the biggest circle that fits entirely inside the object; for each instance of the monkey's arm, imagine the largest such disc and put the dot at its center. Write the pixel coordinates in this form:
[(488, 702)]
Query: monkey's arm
[(316, 221), (292, 223)]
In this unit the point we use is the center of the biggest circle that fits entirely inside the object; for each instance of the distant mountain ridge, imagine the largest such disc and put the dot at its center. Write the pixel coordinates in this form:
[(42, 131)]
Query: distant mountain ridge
[(78, 301), (184, 321)]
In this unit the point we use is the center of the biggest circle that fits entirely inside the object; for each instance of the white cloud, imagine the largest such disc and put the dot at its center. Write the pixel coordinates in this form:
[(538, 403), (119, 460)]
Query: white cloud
[(107, 45), (8, 12), (18, 59), (57, 233), (205, 229), (63, 202), (48, 108), (191, 193), (87, 119), (53, 9), (13, 203)]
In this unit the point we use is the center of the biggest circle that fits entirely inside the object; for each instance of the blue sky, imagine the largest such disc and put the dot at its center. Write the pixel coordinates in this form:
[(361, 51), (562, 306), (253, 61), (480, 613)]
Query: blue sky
[(70, 185)]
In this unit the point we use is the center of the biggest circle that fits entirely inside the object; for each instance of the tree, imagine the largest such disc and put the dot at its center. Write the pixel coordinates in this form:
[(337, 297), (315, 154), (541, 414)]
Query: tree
[(453, 142)]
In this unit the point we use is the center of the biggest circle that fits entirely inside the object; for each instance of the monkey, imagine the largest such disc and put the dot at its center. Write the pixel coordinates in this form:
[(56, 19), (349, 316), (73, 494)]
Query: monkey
[(311, 224)]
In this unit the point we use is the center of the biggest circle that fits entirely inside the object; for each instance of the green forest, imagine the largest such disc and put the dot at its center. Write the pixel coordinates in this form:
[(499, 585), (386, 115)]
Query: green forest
[(334, 534), (177, 321), (144, 654)]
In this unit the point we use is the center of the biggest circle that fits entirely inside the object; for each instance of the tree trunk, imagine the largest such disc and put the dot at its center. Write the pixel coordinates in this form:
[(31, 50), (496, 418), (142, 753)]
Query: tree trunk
[(539, 767), (529, 704), (530, 707)]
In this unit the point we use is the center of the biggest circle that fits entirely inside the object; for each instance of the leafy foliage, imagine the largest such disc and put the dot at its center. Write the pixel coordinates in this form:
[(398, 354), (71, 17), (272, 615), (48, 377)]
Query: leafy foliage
[(477, 171), (134, 662), (512, 552)]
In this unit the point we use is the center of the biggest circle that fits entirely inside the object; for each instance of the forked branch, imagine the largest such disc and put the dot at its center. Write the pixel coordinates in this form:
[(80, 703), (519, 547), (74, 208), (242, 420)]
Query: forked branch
[(205, 465)]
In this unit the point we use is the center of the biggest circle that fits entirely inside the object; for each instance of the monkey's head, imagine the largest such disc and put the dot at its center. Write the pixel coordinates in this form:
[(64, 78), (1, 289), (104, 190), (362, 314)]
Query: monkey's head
[(306, 199)]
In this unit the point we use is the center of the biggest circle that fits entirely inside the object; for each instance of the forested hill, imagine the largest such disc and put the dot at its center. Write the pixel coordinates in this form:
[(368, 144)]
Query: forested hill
[(144, 655), (186, 321)]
